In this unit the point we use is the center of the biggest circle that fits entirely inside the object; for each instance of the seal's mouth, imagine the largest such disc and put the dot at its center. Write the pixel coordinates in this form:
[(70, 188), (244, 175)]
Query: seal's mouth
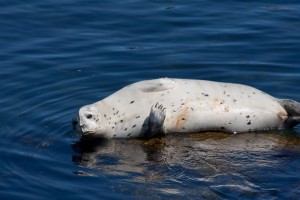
[(87, 133)]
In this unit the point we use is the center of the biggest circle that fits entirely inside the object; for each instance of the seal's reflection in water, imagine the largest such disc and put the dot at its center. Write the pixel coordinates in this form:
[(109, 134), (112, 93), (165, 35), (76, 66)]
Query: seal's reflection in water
[(119, 157), (217, 160)]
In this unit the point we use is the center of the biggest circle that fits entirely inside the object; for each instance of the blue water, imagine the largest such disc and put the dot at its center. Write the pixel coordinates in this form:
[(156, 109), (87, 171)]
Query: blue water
[(57, 56)]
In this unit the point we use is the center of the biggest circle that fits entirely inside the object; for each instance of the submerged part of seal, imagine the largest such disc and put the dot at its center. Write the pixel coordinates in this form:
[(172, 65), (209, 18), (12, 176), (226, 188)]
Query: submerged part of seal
[(156, 107)]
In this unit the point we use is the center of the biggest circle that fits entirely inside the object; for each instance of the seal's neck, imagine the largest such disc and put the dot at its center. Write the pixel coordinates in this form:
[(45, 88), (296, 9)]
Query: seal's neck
[(106, 118)]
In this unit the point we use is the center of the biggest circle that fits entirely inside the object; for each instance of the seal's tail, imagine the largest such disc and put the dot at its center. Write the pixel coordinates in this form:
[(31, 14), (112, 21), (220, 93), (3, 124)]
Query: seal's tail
[(293, 109)]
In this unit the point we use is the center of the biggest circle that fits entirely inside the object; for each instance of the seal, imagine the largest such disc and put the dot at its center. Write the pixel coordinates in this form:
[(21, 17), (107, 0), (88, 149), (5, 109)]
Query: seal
[(157, 107)]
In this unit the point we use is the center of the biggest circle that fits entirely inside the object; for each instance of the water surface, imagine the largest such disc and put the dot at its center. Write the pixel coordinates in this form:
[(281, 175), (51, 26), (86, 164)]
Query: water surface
[(59, 55)]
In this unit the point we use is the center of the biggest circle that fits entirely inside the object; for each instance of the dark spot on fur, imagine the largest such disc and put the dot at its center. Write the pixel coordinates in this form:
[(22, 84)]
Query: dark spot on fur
[(125, 129), (182, 104), (105, 115), (222, 128), (234, 100), (138, 117), (134, 126), (247, 116), (121, 120), (112, 127), (129, 134), (117, 112), (229, 123), (205, 94), (192, 108), (182, 118), (249, 123), (114, 135), (131, 102)]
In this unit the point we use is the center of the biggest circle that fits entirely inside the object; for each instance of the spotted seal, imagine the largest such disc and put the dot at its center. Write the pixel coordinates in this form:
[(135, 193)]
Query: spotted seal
[(157, 107)]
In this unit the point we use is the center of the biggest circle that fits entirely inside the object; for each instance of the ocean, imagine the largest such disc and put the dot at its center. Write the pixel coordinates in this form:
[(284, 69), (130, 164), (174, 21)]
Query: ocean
[(57, 56)]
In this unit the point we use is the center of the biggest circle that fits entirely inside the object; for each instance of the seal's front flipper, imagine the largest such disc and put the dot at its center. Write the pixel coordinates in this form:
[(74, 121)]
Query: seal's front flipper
[(293, 109), (155, 122)]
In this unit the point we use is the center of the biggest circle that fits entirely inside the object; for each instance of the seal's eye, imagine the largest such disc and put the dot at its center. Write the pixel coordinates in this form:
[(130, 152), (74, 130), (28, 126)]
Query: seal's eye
[(89, 116)]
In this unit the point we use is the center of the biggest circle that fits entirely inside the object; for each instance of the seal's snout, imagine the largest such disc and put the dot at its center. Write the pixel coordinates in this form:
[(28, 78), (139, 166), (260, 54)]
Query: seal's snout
[(79, 127)]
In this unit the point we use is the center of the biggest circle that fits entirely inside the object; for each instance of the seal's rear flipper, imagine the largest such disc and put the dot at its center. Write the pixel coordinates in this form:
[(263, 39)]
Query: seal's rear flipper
[(291, 121), (293, 109), (155, 122)]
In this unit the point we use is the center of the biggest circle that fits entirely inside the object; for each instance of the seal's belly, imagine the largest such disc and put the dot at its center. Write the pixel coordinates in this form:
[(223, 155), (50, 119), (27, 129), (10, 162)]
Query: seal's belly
[(232, 122)]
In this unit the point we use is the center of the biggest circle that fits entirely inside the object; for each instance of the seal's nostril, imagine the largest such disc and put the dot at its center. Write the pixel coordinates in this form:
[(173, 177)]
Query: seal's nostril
[(82, 126)]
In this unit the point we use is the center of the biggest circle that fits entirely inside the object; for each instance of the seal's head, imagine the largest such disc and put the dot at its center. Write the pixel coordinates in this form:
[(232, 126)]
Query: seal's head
[(87, 121)]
